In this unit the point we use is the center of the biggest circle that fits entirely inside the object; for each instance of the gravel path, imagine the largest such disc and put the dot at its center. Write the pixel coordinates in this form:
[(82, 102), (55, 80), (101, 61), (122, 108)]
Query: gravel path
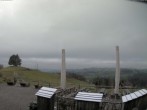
[(16, 97)]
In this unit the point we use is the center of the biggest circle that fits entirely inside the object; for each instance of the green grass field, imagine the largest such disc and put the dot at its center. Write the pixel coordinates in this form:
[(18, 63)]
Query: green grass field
[(35, 76)]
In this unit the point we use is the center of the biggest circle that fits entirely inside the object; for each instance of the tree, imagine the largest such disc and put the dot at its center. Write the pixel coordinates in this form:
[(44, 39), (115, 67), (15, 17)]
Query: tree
[(14, 60)]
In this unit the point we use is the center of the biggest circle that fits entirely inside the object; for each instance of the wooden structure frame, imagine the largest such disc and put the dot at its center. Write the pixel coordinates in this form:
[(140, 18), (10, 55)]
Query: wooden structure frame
[(88, 101), (135, 100), (46, 98)]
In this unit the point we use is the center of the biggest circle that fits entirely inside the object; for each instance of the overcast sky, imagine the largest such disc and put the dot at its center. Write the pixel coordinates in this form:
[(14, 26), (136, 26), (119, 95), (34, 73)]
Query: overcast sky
[(89, 30)]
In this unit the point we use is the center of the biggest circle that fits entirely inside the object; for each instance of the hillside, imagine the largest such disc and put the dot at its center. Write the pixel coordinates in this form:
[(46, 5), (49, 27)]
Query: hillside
[(106, 72), (33, 76), (133, 77)]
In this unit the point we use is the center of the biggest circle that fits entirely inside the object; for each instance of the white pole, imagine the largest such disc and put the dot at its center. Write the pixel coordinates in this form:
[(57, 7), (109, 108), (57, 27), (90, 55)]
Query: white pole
[(117, 74), (63, 71)]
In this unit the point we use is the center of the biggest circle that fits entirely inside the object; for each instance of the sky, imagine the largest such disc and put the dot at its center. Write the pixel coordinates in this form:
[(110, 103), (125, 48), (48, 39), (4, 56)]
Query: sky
[(89, 31)]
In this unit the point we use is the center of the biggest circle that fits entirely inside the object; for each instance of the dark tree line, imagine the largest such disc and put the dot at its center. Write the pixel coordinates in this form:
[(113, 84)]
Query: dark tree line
[(135, 80), (76, 76), (138, 80), (102, 81)]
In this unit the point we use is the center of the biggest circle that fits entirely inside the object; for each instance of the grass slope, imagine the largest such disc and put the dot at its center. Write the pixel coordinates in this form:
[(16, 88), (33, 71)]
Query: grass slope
[(34, 76)]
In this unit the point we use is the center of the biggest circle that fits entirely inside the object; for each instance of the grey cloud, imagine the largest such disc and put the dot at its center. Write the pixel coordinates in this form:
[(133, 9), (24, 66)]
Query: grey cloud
[(89, 31)]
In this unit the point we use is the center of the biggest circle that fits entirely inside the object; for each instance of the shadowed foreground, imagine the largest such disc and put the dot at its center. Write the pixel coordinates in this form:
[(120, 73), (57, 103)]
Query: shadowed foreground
[(16, 97)]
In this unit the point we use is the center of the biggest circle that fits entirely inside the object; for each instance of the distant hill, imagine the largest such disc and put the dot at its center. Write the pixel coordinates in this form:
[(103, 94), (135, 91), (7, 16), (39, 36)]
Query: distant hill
[(106, 72), (32, 76)]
